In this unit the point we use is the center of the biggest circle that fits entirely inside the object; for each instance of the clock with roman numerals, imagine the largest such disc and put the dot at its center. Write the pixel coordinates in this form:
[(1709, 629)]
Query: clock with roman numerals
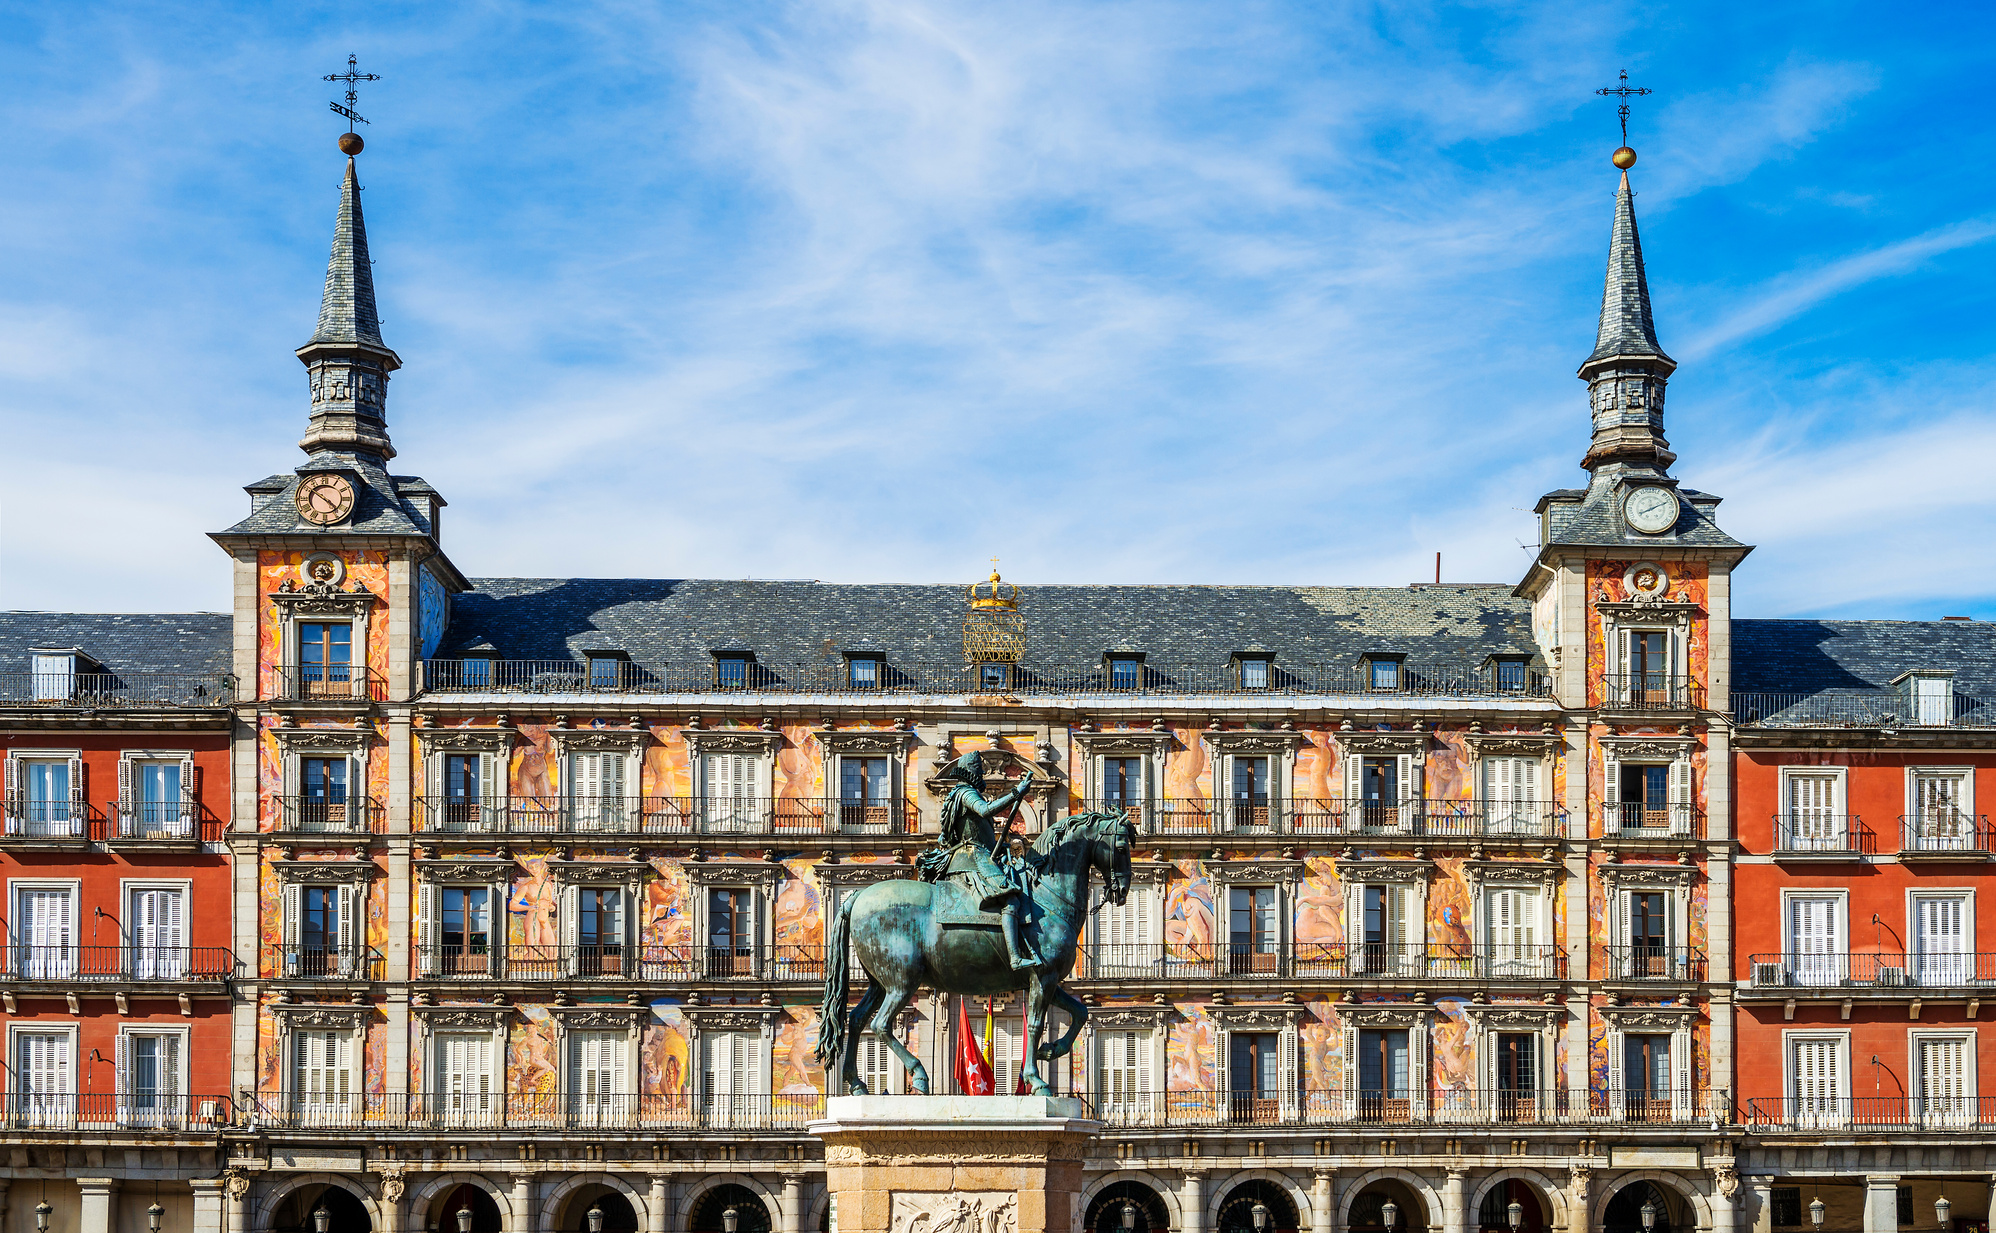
[(325, 499)]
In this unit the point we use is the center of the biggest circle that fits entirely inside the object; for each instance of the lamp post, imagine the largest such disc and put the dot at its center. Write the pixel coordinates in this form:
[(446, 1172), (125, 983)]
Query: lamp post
[(594, 1218), (731, 1219), (1649, 1214), (1129, 1216), (322, 1219), (153, 1215), (1817, 1210), (464, 1219), (1258, 1216), (1515, 1213), (1390, 1213), (42, 1211), (1942, 1210)]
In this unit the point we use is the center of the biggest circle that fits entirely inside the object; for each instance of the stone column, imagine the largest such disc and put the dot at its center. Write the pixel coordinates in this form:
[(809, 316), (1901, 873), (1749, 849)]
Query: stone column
[(524, 1216), (237, 1185), (655, 1200), (1578, 1176), (98, 1195), (1320, 1203), (1759, 1215), (208, 1199), (1453, 1200), (392, 1189), (793, 1203), (1192, 1197), (1725, 1187), (1881, 1203)]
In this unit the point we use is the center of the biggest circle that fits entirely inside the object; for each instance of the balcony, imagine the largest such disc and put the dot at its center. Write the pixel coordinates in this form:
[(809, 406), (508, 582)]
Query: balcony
[(352, 965), (117, 1111), (1651, 691), (1820, 836), (161, 824), (1883, 709), (1944, 835), (1412, 1107), (647, 962), (68, 823), (892, 677), (117, 690), (1331, 961), (668, 816), (114, 965), (314, 815), (1655, 965), (1438, 821), (1880, 973), (337, 683), (376, 1112), (1637, 821), (1869, 1113)]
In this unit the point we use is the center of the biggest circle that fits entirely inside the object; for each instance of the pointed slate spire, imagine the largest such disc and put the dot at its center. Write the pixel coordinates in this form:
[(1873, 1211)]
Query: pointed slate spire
[(1628, 370), (348, 362)]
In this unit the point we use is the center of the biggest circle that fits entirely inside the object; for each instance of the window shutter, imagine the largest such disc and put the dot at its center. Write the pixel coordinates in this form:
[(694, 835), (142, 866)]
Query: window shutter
[(1626, 933), (1354, 924), (350, 928), (1144, 1043), (1409, 792), (1611, 792), (1354, 787), (1396, 929), (426, 928), (1680, 795), (1005, 1063), (433, 778), (1680, 1086), (1287, 1072), (1528, 791), (121, 1067), (292, 914), (571, 920), (1625, 666), (169, 1071), (612, 774), (126, 797), (76, 791), (1617, 1080), (14, 810), (492, 789)]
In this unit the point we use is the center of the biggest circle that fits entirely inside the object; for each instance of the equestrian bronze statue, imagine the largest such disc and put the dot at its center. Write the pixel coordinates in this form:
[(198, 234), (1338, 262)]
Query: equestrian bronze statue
[(982, 920)]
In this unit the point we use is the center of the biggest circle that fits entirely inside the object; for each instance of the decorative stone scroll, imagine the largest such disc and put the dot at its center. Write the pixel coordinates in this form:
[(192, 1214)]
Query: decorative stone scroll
[(957, 1211)]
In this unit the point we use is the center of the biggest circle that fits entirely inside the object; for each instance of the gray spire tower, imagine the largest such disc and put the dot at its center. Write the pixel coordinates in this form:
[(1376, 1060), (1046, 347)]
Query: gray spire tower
[(1627, 371), (348, 362)]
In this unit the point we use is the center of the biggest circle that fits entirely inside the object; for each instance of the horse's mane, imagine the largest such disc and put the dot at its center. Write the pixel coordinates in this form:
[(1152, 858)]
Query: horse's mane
[(1060, 829)]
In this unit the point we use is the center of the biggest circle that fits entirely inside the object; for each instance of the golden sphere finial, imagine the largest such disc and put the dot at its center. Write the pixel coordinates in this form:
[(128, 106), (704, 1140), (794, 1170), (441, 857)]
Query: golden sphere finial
[(1624, 158), (351, 144)]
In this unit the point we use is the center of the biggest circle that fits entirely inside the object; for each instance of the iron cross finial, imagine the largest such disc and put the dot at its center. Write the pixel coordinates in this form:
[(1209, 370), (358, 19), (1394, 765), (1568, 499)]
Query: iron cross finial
[(1623, 91), (353, 75)]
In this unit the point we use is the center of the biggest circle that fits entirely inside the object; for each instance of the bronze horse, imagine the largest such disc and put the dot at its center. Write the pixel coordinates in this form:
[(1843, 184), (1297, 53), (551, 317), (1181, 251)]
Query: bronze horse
[(897, 930)]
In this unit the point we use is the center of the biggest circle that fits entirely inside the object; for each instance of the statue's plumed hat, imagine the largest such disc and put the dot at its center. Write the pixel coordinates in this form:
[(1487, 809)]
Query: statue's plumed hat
[(967, 769)]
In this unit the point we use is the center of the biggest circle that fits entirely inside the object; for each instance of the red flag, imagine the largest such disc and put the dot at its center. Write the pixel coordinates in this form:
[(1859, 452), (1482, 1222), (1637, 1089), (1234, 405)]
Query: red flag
[(973, 1072)]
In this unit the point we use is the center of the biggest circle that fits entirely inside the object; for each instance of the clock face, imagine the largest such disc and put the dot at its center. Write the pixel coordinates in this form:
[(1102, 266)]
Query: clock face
[(325, 499), (1650, 509)]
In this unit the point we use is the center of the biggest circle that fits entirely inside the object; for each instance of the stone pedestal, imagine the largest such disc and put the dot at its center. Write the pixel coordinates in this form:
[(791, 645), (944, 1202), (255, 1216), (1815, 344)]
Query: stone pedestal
[(955, 1164)]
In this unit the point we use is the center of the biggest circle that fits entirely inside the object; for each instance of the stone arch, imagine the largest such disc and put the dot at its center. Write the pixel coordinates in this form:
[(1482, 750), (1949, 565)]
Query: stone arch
[(1165, 1191), (421, 1197), (1694, 1200), (1555, 1194), (551, 1203), (1218, 1189), (690, 1198), (273, 1197), (1406, 1177)]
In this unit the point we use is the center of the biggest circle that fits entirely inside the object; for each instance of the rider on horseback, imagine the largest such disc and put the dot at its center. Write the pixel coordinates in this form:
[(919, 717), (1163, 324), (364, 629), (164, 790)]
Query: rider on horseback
[(969, 848)]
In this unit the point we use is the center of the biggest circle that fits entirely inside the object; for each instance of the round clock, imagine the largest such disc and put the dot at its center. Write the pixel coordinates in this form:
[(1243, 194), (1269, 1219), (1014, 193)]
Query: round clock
[(1650, 509), (325, 499)]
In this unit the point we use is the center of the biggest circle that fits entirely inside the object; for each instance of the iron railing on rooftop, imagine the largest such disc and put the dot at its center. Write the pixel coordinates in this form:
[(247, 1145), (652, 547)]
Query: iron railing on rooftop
[(117, 689), (562, 676), (1872, 708)]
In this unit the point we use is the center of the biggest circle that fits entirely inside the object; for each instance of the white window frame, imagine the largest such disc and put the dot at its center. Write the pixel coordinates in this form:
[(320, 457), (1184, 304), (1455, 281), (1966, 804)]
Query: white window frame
[(1542, 890), (1958, 972), (1839, 1112), (1410, 778), (1625, 1021), (1495, 1020), (352, 908), (1357, 877), (129, 762), (494, 750), (762, 882), (1098, 747), (128, 890), (305, 1017), (495, 879), (17, 791), (53, 672), (1415, 1018), (1797, 969), (435, 1024), (1143, 957), (177, 1111), (624, 745), (1148, 1025), (1963, 1115), (711, 813), (24, 956), (706, 1022), (297, 744), (300, 607), (1674, 882), (626, 1023), (1835, 836), (1681, 799), (834, 747), (1965, 775), (64, 1111), (1226, 747)]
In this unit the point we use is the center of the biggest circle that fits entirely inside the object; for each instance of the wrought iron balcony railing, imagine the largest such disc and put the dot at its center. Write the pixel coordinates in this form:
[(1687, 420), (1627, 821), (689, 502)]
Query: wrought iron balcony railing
[(315, 815), (163, 821), (331, 963), (1876, 971), (385, 1111), (323, 683), (835, 676), (116, 1111), (1411, 1106), (668, 815), (803, 963), (1868, 1113), (1943, 832), (33, 961), (1826, 834), (69, 819), (1638, 820), (1363, 962), (1412, 819), (1652, 691), (117, 690), (1654, 962), (1878, 708)]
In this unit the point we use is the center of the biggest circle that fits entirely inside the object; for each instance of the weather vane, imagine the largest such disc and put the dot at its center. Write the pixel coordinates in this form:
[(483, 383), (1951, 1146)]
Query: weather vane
[(1625, 157), (351, 142)]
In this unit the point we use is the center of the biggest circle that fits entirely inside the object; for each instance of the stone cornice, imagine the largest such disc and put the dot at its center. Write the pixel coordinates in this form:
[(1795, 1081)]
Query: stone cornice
[(1252, 740), (891, 743), (462, 1018), (731, 1018), (1151, 1017), (324, 871), (1360, 742), (1124, 741), (1386, 1014), (1228, 872), (572, 740), (318, 1015), (465, 869), (1253, 1018), (1517, 744), (291, 739), (600, 1016), (490, 740), (586, 873), (1357, 869), (700, 741), (739, 873), (1491, 1017), (1614, 874), (1511, 873), (1672, 1017)]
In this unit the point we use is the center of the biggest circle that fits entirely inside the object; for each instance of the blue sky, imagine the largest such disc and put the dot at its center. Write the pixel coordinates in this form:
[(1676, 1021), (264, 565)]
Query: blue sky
[(1152, 292)]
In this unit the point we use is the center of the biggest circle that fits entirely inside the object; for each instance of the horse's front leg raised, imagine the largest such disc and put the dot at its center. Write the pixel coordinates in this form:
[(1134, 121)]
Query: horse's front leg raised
[(1036, 1021), (1077, 1015)]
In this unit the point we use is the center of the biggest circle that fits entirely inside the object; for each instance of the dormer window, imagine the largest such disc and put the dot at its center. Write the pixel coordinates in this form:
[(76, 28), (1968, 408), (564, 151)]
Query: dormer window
[(1383, 671), (1125, 669), (731, 669), (1254, 669), (475, 670), (994, 677), (1508, 673), (1929, 696), (863, 671), (54, 672), (606, 669)]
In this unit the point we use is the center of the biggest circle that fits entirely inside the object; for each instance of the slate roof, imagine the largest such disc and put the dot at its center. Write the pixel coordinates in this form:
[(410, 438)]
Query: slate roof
[(347, 313), (184, 643), (1626, 325), (380, 501), (1594, 516), (683, 621), (1819, 656)]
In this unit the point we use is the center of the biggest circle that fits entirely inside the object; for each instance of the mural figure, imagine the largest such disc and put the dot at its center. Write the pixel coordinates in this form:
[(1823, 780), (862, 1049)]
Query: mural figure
[(947, 932)]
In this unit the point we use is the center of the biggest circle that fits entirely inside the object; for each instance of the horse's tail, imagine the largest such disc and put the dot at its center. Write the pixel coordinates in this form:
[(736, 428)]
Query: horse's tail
[(838, 980)]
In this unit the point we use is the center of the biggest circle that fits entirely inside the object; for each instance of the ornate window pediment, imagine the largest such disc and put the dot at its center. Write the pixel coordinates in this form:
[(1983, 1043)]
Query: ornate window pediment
[(601, 1017), (1514, 1017), (1254, 1018), (629, 871), (1355, 869), (1614, 875), (321, 872), (1229, 872), (1252, 741), (466, 740), (890, 743), (316, 600), (305, 1016), (1142, 1018), (1049, 784), (1512, 744), (859, 875), (752, 741), (1382, 743), (743, 873), (300, 740), (597, 740), (467, 869), (1649, 745), (1413, 1016), (1650, 1018), (1513, 873), (731, 1018), (1134, 741), (462, 1018)]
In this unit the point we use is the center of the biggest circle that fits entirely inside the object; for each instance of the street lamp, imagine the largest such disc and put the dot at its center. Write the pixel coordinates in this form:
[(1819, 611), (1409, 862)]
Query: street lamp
[(1129, 1216), (731, 1219), (1817, 1210), (42, 1210), (1649, 1214), (1515, 1213), (464, 1219), (1258, 1216), (322, 1219), (153, 1215), (1390, 1213), (1942, 1209), (594, 1218)]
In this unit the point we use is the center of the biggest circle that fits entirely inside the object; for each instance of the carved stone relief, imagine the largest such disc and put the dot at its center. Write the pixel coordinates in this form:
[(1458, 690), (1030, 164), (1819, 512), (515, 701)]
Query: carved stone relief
[(959, 1211)]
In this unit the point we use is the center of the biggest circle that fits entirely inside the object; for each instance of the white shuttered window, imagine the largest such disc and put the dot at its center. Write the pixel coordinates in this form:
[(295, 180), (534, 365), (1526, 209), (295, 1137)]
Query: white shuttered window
[(596, 1075), (731, 1076), (322, 1076), (1511, 794), (1123, 1074), (1815, 933)]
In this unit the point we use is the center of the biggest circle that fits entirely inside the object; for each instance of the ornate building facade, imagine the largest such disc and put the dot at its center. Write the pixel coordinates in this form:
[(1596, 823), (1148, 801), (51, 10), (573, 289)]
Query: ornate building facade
[(1432, 925)]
